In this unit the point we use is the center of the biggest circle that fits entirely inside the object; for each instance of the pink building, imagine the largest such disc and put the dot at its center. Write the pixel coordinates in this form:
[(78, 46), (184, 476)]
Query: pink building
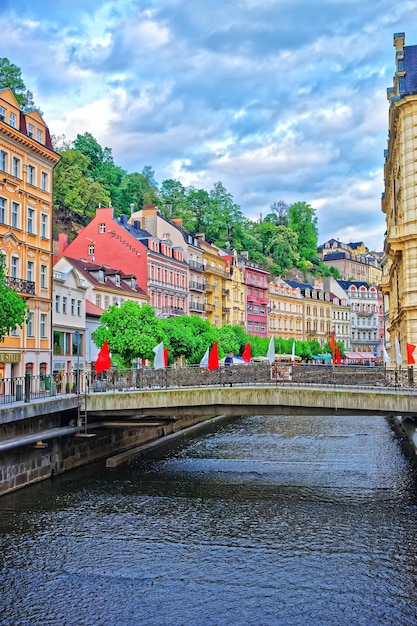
[(256, 294)]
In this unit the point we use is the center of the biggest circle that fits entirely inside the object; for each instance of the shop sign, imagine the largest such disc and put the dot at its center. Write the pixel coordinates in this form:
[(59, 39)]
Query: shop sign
[(10, 357)]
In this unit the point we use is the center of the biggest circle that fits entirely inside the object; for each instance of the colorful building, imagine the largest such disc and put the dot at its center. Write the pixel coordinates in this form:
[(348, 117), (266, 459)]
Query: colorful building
[(27, 161), (399, 202), (285, 310), (256, 292)]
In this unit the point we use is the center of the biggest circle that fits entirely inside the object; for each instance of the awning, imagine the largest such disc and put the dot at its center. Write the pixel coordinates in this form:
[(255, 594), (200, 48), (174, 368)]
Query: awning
[(360, 356), (322, 357)]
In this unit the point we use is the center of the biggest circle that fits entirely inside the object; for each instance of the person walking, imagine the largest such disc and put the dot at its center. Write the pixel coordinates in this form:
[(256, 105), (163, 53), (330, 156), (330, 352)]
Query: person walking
[(228, 362)]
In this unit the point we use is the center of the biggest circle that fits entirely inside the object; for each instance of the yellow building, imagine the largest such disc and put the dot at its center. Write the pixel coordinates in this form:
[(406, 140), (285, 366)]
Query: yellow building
[(285, 312), (399, 202), (235, 292), (216, 284), (27, 160)]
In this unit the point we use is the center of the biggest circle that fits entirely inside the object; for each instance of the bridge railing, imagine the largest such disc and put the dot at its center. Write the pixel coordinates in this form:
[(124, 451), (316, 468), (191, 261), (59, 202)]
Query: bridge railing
[(27, 388), (250, 374)]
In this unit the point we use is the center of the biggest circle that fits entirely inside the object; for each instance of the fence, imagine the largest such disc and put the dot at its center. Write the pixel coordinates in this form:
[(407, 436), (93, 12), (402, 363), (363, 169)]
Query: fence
[(27, 388)]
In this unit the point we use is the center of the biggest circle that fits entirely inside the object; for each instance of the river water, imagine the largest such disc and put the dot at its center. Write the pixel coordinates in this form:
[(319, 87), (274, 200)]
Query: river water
[(261, 520)]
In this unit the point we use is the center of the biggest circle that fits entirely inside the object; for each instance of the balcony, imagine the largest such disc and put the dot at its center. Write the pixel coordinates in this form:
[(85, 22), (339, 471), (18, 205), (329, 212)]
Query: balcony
[(218, 272), (170, 312), (199, 267), (197, 306), (210, 307), (208, 287), (26, 287), (196, 286), (225, 309), (225, 292)]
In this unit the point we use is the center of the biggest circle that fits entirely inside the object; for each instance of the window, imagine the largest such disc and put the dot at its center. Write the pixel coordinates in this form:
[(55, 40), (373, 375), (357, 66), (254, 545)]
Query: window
[(106, 302), (30, 270), (57, 304), (14, 267), (44, 181), (101, 276), (72, 306), (43, 325), (117, 279), (3, 160), (39, 135), (98, 301), (79, 308), (43, 276), (15, 214), (44, 225), (16, 167), (101, 228), (31, 175), (29, 325), (12, 120), (2, 211), (31, 218), (91, 249), (31, 130), (64, 304), (2, 114)]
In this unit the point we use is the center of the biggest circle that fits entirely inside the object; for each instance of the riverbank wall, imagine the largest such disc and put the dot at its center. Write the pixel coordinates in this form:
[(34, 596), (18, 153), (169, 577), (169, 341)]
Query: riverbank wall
[(53, 444)]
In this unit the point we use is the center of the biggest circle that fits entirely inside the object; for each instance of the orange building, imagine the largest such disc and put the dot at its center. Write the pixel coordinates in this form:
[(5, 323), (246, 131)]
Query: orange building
[(27, 160)]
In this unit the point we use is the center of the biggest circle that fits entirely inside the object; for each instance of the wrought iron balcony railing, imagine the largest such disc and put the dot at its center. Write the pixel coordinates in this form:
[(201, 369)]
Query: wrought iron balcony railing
[(26, 287)]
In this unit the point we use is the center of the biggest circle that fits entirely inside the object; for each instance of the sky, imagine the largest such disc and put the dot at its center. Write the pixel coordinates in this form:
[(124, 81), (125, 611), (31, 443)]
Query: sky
[(277, 99)]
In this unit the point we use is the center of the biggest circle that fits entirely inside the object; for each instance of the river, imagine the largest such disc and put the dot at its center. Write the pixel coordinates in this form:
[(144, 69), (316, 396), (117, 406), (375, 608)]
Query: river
[(261, 520)]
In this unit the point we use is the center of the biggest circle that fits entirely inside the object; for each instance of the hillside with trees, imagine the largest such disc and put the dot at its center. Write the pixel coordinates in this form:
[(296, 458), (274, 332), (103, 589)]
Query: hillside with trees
[(87, 177)]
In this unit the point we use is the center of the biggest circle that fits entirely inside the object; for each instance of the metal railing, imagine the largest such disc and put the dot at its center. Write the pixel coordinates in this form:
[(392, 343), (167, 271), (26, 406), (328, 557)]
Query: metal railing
[(28, 388)]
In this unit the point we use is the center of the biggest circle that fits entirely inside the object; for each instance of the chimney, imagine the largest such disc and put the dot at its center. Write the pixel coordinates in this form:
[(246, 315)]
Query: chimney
[(62, 243), (177, 221), (201, 236)]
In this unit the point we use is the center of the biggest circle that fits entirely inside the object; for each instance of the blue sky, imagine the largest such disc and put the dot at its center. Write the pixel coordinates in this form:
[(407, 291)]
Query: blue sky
[(277, 99)]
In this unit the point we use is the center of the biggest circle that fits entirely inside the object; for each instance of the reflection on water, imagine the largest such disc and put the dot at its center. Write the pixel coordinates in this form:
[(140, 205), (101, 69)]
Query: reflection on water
[(263, 520)]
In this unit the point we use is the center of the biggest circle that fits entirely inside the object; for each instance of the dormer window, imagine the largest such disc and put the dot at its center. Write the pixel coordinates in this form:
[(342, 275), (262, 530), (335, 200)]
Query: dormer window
[(2, 114), (133, 283), (31, 131), (117, 279), (101, 276)]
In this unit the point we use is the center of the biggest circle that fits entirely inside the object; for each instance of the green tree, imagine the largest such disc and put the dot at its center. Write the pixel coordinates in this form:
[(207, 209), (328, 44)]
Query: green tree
[(198, 335), (132, 331), (13, 309), (150, 195), (11, 76), (303, 221), (74, 192), (283, 248), (131, 191)]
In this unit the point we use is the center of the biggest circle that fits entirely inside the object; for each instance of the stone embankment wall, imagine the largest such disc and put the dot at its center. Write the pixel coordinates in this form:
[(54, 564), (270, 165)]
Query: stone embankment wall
[(25, 465)]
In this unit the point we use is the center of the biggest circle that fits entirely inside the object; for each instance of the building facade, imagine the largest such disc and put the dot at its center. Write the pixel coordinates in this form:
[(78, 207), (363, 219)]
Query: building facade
[(399, 201), (27, 161), (285, 311)]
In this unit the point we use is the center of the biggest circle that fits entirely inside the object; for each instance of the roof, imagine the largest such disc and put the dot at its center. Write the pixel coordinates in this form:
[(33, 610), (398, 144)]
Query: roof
[(359, 356), (92, 309), (87, 270), (410, 66)]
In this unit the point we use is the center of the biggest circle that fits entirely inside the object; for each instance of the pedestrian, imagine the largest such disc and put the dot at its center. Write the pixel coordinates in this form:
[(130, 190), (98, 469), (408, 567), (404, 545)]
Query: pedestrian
[(228, 362)]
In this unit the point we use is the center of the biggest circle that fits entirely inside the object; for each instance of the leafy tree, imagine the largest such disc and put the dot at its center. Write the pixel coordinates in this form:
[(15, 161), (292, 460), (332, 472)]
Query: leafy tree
[(13, 309), (303, 221), (11, 76), (283, 248), (199, 335), (132, 331), (73, 190), (150, 195), (131, 191), (228, 341)]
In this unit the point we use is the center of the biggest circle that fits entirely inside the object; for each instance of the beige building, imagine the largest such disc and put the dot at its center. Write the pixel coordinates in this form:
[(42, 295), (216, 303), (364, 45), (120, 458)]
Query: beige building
[(216, 284), (27, 160), (399, 201), (285, 311)]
